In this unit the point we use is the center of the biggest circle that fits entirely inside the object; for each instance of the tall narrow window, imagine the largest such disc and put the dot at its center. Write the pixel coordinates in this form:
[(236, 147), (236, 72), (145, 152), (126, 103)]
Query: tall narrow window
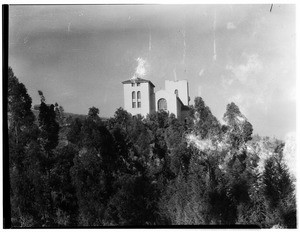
[(138, 84), (139, 99), (132, 84), (133, 100)]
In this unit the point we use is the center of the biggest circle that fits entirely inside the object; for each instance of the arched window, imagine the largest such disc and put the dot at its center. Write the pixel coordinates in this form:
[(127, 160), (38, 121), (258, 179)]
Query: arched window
[(133, 100), (162, 104), (139, 104), (176, 92)]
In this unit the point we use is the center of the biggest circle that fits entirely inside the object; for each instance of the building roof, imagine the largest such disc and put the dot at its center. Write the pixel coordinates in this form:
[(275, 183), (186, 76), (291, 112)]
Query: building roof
[(137, 80), (178, 99), (183, 106)]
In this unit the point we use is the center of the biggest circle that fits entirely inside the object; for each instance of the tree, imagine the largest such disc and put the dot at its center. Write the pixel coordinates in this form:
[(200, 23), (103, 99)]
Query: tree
[(90, 183), (20, 117), (93, 113), (279, 194), (73, 134), (135, 202), (206, 125), (94, 169), (240, 130), (48, 125), (63, 191), (49, 130), (178, 151), (23, 134), (121, 119), (59, 113)]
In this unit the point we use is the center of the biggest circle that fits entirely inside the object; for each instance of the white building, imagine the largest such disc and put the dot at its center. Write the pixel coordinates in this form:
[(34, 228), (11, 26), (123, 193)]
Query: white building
[(139, 97)]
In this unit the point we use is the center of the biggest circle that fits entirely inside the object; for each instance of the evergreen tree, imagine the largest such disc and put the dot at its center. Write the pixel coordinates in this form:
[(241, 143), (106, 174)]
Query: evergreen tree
[(94, 170), (73, 135), (63, 191), (206, 125), (239, 130), (59, 113), (48, 139), (23, 134), (279, 194)]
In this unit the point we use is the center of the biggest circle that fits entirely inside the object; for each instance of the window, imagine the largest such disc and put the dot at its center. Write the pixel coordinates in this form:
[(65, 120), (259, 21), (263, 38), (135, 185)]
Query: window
[(139, 99), (162, 104), (176, 92), (138, 84), (132, 84), (133, 100)]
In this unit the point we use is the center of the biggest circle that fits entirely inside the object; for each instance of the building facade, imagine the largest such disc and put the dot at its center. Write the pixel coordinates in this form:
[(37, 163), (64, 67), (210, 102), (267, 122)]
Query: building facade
[(140, 98)]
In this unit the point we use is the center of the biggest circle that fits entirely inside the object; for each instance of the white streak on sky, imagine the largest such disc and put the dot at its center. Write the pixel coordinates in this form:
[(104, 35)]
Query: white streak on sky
[(150, 40), (215, 50), (25, 40), (69, 27), (184, 46), (201, 72), (230, 26), (175, 75)]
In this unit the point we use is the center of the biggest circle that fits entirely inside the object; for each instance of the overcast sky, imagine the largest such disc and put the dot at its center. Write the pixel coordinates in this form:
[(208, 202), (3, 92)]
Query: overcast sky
[(79, 55)]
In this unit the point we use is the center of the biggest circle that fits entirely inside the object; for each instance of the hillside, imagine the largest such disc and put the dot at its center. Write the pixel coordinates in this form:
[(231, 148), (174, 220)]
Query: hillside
[(68, 115)]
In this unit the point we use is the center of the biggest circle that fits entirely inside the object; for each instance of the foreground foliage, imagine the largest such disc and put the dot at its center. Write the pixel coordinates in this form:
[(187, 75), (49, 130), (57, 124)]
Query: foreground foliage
[(143, 171)]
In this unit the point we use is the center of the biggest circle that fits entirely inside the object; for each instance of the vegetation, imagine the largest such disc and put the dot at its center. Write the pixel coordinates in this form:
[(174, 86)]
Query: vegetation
[(130, 170)]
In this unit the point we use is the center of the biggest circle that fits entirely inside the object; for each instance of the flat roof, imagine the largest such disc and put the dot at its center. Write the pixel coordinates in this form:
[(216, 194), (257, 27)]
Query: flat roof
[(137, 80)]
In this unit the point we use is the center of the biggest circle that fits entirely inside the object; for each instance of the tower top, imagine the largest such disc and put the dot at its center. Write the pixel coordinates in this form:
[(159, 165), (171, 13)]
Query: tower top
[(137, 80)]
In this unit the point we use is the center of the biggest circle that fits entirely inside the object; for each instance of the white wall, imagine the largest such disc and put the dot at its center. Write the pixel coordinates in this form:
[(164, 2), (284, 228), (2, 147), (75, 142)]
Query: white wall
[(145, 89), (181, 86), (171, 101), (149, 99)]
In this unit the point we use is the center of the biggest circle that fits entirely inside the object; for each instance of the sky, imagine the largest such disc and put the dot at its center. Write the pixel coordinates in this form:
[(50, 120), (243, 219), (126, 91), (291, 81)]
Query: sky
[(79, 55)]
